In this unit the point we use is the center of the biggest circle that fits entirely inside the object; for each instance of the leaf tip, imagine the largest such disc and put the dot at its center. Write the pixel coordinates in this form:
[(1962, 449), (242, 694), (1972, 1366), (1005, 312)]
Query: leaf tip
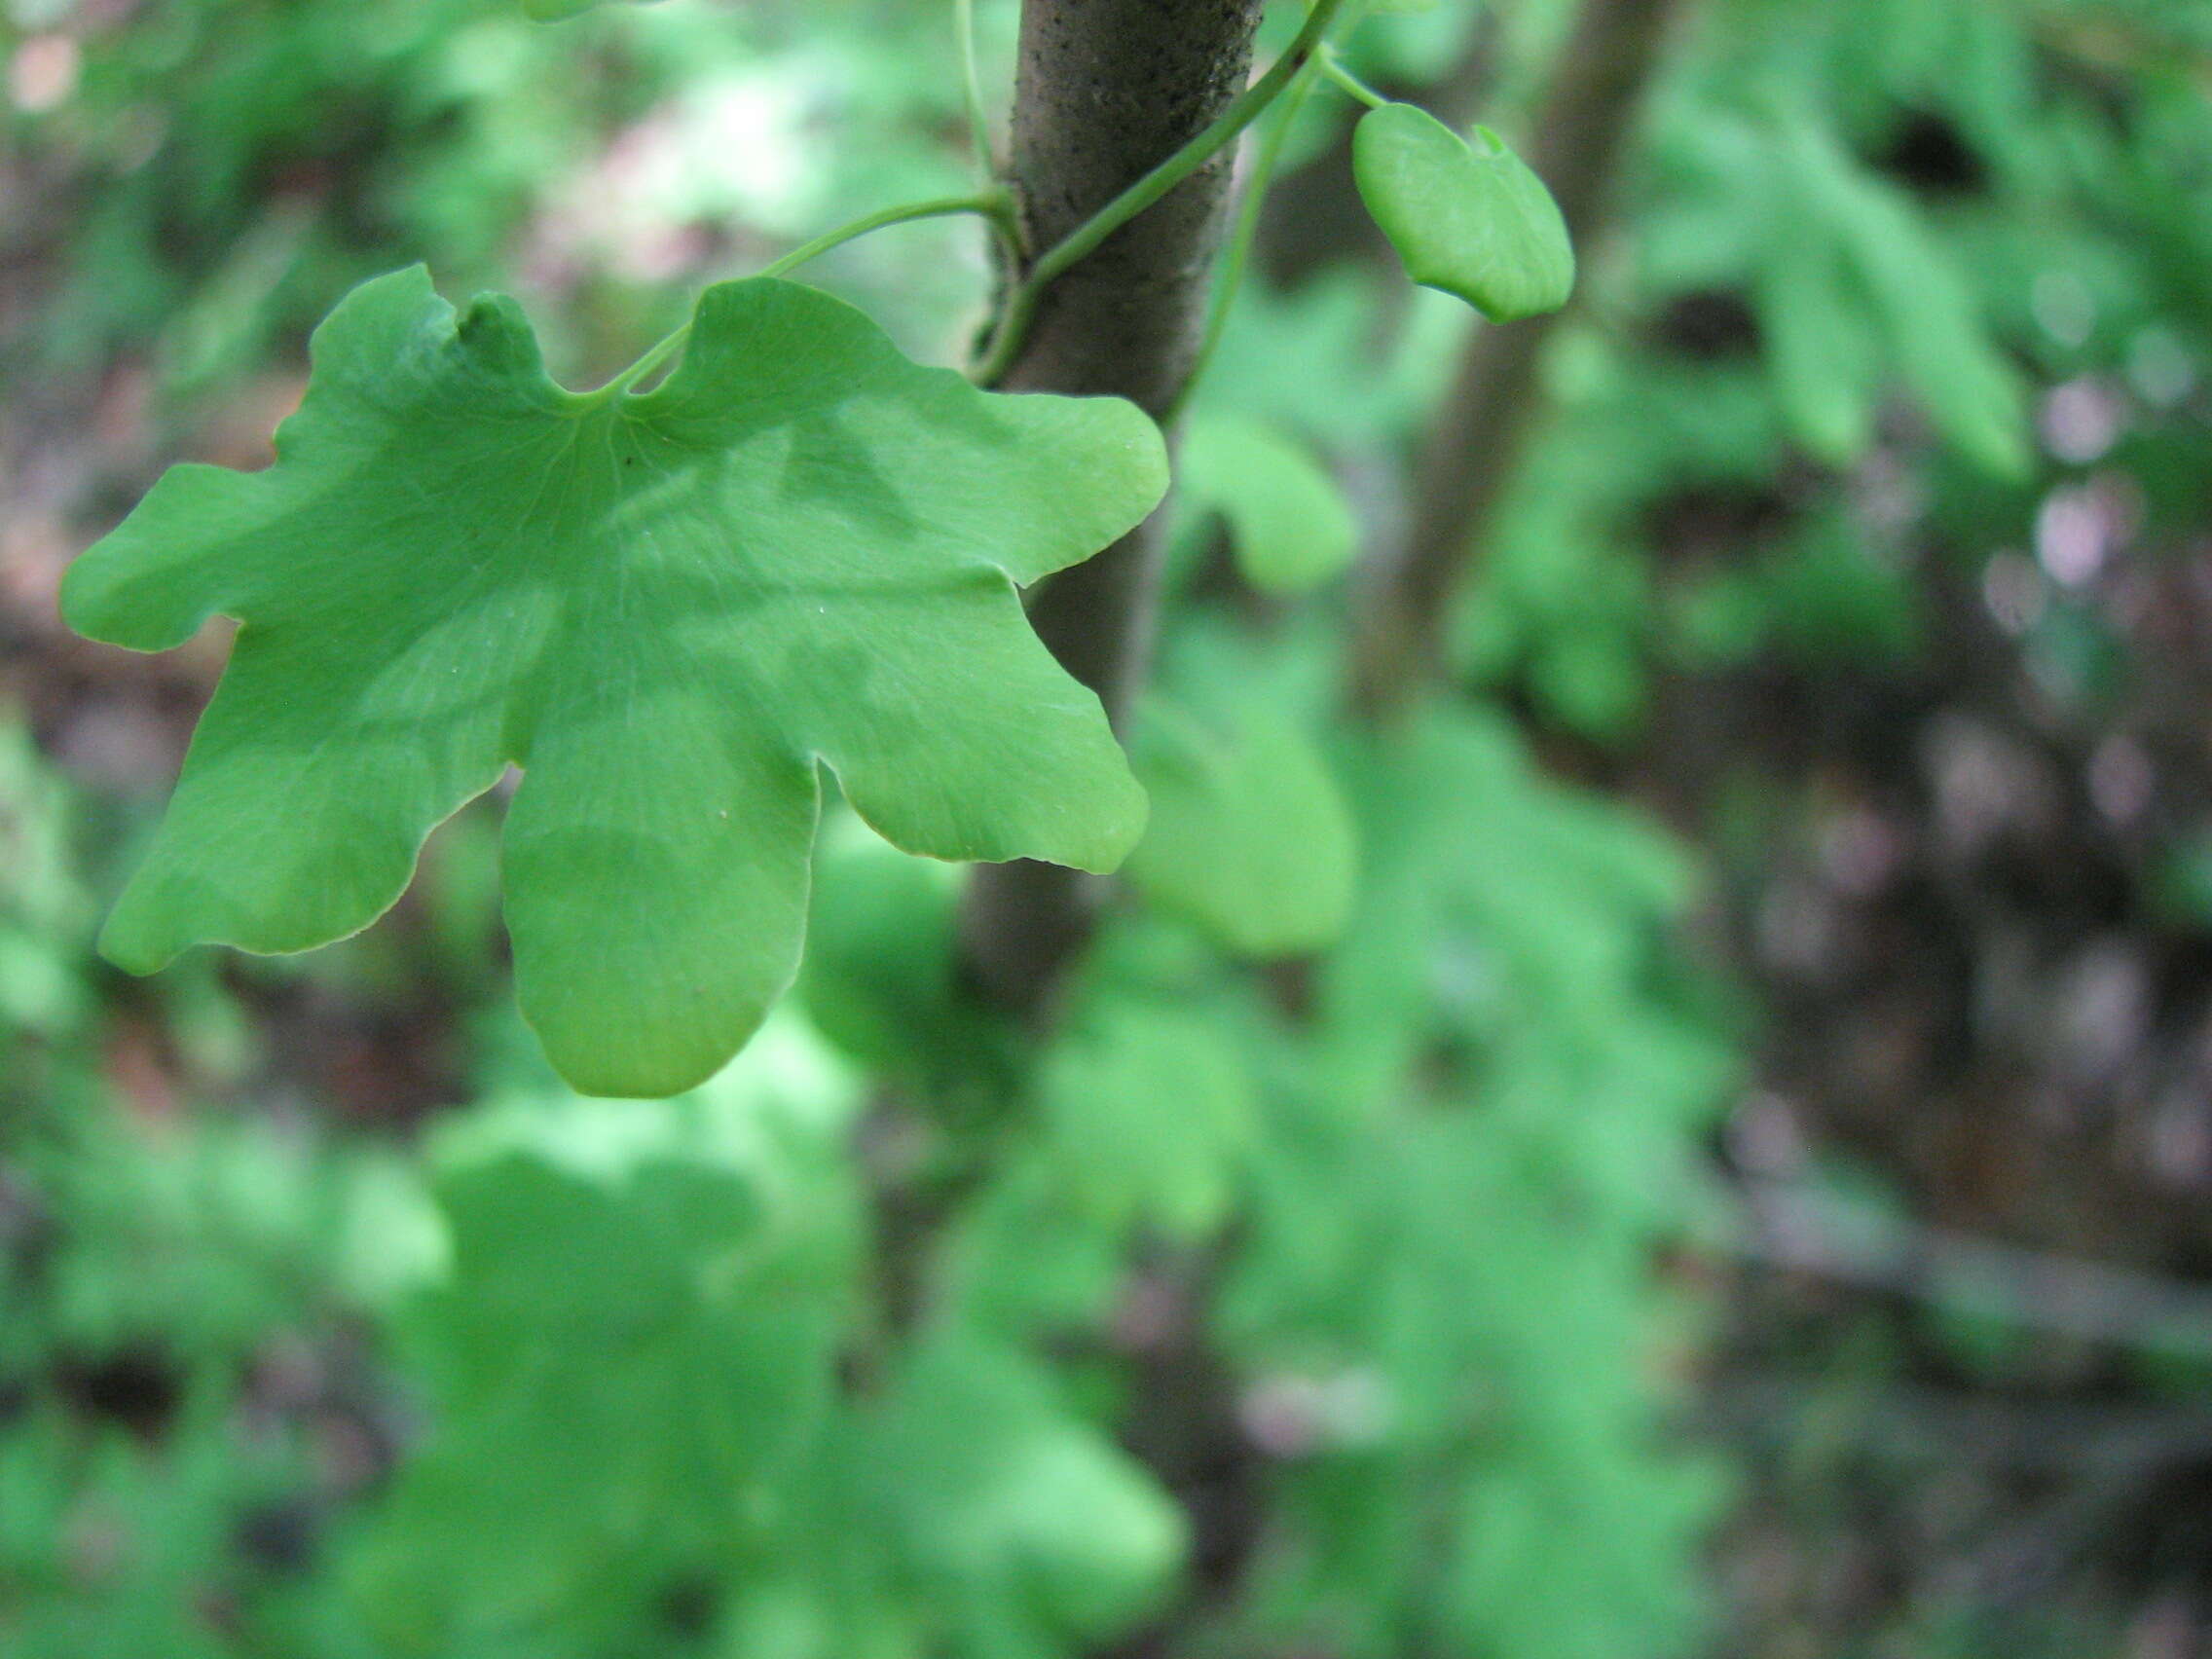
[(1123, 431), (122, 591), (1124, 827), (497, 331), (1149, 446), (131, 946), (603, 1069), (84, 589)]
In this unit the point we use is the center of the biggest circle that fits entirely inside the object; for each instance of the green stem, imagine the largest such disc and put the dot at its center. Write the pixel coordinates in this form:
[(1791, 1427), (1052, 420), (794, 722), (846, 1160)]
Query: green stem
[(1246, 108), (993, 205), (1246, 229), (972, 87), (1333, 68)]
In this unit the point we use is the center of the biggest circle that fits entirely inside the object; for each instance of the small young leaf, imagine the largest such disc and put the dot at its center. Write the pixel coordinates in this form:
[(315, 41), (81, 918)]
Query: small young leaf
[(1472, 221), (1289, 522), (1250, 838), (665, 608)]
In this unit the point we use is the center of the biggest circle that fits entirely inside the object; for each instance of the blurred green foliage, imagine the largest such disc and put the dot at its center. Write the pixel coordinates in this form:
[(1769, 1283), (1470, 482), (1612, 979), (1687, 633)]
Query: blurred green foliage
[(1313, 1306)]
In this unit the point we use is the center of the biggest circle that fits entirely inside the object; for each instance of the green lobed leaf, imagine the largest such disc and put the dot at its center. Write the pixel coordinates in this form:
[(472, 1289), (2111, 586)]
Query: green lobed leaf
[(666, 608), (1289, 523), (1492, 896), (635, 1337), (1472, 221)]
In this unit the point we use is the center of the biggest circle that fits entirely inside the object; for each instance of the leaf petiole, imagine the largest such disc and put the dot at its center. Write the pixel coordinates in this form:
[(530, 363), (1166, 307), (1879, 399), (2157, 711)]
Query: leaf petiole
[(993, 205), (1246, 229), (1346, 81), (971, 86)]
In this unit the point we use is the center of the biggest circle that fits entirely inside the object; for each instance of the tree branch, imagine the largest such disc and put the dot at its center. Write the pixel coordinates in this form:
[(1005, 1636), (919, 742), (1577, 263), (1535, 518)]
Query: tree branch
[(1106, 90)]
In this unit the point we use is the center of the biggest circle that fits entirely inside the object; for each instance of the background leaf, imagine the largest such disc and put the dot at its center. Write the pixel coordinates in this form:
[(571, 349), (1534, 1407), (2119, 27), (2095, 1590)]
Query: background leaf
[(1249, 836), (1290, 526)]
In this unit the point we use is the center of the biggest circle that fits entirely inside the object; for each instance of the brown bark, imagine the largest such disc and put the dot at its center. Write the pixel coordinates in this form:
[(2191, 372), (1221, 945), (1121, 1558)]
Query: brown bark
[(1105, 90), (1472, 449)]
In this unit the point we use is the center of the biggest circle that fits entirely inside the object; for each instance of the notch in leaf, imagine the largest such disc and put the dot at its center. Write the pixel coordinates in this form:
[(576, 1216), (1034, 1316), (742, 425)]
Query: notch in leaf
[(1472, 220), (666, 608)]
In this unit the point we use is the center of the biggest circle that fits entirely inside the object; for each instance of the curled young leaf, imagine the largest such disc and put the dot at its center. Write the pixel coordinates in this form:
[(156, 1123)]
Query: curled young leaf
[(1472, 220), (666, 608)]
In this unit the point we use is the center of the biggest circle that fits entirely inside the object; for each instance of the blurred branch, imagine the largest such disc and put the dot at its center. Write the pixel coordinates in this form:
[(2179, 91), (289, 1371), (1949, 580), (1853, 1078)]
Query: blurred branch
[(1789, 1226), (2098, 1459), (1908, 1422)]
